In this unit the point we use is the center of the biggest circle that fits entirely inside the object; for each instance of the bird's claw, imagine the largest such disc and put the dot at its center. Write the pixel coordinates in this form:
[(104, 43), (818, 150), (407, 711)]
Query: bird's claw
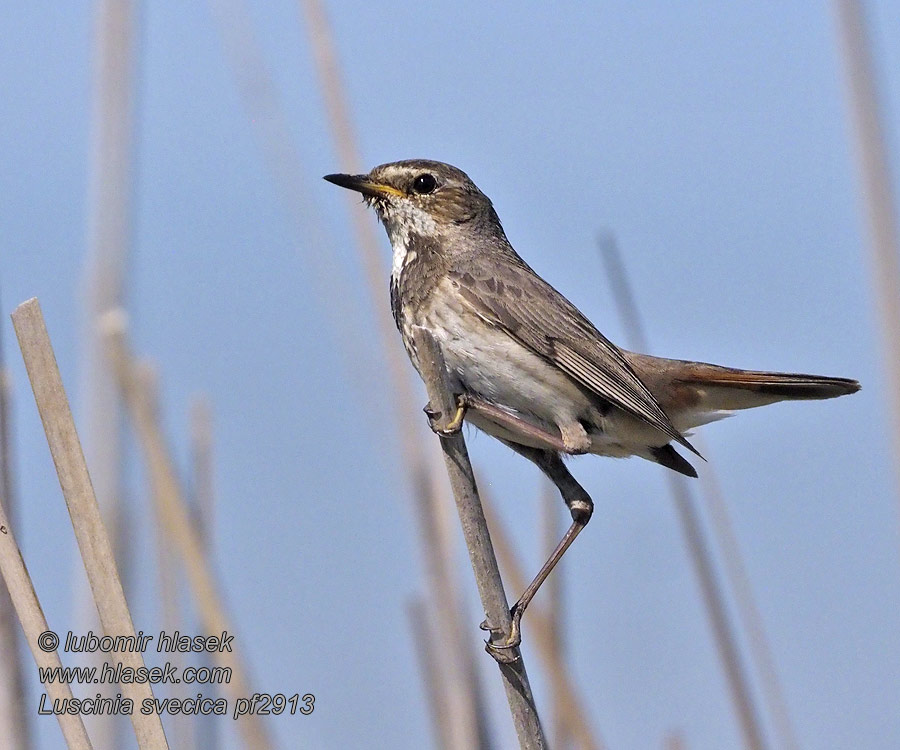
[(454, 426), (505, 651)]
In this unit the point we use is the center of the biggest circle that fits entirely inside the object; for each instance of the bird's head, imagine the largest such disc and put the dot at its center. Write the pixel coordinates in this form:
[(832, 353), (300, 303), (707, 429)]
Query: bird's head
[(428, 198)]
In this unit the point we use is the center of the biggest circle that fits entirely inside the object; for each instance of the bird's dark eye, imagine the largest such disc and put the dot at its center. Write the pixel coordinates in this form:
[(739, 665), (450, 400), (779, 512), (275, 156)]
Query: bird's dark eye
[(424, 184)]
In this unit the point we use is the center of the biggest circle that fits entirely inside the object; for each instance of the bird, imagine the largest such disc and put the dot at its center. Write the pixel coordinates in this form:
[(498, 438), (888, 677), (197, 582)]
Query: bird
[(526, 366)]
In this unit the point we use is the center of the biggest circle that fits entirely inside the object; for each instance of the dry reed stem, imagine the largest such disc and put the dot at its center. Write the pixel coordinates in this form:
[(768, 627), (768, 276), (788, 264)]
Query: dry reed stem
[(203, 485), (692, 531), (878, 198), (370, 256), (459, 707), (28, 608), (178, 523), (760, 651), (109, 237), (93, 542), (478, 542), (204, 505), (110, 199), (284, 161), (14, 724), (551, 533), (418, 459), (182, 724), (430, 661), (723, 630), (540, 630), (674, 741)]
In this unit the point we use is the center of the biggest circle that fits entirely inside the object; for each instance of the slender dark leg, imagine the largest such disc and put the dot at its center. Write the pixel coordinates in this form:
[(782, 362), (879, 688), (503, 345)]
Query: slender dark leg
[(580, 506)]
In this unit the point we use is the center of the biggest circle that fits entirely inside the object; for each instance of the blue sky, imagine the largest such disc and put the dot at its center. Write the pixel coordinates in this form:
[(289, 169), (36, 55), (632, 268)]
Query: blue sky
[(712, 139)]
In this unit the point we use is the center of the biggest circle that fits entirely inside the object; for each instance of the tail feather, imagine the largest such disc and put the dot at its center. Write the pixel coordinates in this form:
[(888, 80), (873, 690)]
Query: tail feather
[(725, 388), (781, 385), (694, 393)]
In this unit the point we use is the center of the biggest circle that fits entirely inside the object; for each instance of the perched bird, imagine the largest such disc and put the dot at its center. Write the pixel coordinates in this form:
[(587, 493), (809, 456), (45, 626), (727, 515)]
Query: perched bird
[(528, 367)]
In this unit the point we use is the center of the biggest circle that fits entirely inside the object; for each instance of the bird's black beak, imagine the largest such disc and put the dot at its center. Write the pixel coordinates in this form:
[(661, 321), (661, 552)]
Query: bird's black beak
[(362, 184)]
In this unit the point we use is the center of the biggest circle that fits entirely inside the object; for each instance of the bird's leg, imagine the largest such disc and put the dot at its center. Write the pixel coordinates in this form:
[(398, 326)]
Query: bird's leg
[(455, 424), (580, 506), (502, 417)]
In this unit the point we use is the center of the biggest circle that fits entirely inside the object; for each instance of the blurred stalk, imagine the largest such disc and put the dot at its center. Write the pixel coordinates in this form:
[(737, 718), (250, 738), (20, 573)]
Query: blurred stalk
[(417, 458), (427, 647), (370, 255), (15, 727), (713, 598), (109, 238), (760, 650), (182, 724), (176, 519), (284, 162), (202, 469), (523, 711), (674, 741), (540, 628), (84, 510), (701, 556), (459, 689), (110, 195), (552, 532), (877, 197), (204, 505)]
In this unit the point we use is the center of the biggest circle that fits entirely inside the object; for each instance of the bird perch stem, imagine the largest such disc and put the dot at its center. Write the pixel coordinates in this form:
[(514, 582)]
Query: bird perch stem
[(478, 542)]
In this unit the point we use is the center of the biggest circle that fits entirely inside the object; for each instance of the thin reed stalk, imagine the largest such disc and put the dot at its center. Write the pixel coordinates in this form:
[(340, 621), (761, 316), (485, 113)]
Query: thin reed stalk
[(284, 161), (90, 533), (428, 649), (182, 724), (723, 630), (204, 504), (25, 601), (551, 533), (541, 633), (701, 556), (877, 197), (417, 457), (203, 485), (175, 518), (750, 618), (478, 542), (370, 256), (14, 719), (459, 705), (109, 238), (109, 235)]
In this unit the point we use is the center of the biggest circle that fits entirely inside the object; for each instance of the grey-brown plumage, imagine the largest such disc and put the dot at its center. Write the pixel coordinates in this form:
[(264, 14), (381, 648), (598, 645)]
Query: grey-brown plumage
[(534, 371)]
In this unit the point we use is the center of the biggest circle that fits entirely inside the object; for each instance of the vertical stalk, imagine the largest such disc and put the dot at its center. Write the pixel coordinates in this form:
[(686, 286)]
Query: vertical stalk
[(877, 196), (478, 541), (14, 719), (90, 533), (701, 556)]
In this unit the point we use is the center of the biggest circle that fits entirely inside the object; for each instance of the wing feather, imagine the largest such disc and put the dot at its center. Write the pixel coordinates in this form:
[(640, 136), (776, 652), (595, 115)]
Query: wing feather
[(527, 308)]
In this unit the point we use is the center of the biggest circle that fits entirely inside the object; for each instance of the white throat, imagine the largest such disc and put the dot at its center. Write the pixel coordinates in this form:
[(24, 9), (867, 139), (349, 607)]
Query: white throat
[(401, 220)]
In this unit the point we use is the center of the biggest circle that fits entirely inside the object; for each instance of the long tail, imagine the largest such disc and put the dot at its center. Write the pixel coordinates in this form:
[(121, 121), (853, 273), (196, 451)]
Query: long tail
[(697, 392), (741, 389)]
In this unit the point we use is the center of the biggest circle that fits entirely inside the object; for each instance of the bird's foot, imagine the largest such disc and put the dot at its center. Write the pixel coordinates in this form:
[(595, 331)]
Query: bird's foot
[(454, 426), (505, 651)]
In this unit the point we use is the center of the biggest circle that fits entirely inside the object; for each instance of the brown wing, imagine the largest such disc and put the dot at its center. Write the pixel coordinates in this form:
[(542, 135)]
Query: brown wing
[(520, 302)]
